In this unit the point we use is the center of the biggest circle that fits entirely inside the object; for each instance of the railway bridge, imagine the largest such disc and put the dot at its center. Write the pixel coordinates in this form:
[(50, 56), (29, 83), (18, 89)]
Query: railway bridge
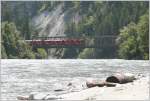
[(76, 42)]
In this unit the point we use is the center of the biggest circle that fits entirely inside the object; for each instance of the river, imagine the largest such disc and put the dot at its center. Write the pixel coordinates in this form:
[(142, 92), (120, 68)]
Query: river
[(21, 77)]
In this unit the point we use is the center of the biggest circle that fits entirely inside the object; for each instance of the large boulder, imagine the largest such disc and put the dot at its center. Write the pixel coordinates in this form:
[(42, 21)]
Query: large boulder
[(93, 83), (23, 98), (99, 83)]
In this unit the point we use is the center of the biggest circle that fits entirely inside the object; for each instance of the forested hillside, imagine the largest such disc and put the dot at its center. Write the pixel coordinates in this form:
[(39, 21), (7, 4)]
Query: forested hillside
[(128, 20)]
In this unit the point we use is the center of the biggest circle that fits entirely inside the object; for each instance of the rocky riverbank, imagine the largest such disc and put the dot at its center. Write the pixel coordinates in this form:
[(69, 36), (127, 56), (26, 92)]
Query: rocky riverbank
[(137, 90)]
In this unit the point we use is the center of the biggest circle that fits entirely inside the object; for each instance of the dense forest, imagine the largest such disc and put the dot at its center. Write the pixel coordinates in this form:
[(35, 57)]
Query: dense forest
[(128, 20)]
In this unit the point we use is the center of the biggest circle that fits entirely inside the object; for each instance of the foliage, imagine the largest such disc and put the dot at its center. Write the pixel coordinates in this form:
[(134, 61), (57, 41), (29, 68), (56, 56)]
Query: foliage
[(94, 18), (3, 52), (105, 18), (41, 53), (128, 47), (87, 53), (21, 13), (134, 40), (143, 31), (12, 46)]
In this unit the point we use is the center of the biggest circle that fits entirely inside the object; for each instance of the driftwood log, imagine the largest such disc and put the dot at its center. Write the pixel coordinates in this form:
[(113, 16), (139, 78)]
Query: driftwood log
[(121, 78), (112, 80)]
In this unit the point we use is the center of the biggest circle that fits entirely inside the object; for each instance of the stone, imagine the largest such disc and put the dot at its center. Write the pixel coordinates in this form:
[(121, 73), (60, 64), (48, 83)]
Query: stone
[(52, 97), (58, 90), (23, 98), (38, 96), (95, 83), (109, 84), (69, 84)]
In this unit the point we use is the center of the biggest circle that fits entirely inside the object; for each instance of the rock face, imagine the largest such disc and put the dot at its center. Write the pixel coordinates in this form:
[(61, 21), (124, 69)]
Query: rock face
[(121, 78)]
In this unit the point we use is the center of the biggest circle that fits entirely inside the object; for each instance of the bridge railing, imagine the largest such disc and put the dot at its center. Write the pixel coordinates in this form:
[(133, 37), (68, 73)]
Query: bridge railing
[(72, 37)]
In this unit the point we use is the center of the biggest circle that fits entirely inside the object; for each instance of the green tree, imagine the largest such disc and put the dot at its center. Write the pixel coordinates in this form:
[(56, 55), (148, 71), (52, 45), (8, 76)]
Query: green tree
[(134, 40), (3, 52), (13, 45), (143, 31), (87, 53), (105, 18), (128, 47), (41, 53)]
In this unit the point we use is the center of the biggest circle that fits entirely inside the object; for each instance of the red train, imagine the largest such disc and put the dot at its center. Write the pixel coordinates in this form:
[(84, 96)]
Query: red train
[(68, 42)]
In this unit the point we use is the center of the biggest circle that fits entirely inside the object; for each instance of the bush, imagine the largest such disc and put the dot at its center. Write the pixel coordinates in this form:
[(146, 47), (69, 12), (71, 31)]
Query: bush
[(13, 44), (134, 40), (41, 53), (86, 53)]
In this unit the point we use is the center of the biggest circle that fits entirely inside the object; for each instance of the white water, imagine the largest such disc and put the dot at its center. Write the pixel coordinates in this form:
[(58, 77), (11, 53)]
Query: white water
[(21, 77)]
